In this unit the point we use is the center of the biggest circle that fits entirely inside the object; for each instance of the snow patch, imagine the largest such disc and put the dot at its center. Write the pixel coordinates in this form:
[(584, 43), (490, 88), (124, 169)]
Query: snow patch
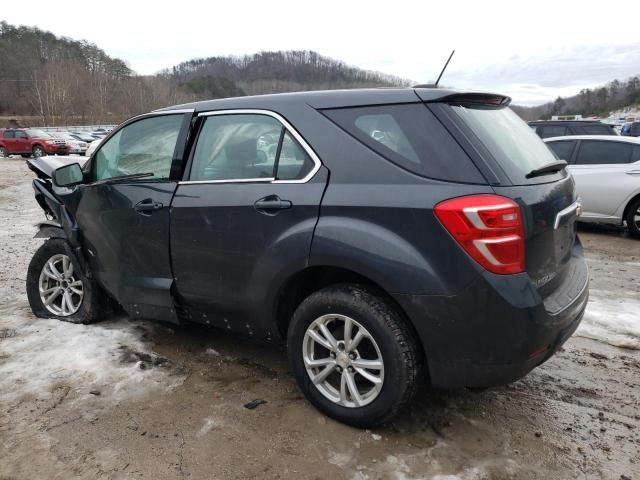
[(212, 351), (210, 423), (41, 355), (612, 319)]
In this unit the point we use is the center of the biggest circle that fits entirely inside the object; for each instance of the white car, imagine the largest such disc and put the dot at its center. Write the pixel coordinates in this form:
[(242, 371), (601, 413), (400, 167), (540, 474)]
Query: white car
[(76, 146), (606, 170), (92, 147)]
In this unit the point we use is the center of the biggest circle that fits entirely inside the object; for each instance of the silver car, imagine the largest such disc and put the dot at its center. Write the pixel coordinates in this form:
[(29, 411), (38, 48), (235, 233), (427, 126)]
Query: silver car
[(606, 170)]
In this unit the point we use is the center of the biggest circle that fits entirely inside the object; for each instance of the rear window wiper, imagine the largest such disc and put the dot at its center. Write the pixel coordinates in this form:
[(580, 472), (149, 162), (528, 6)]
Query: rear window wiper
[(551, 167)]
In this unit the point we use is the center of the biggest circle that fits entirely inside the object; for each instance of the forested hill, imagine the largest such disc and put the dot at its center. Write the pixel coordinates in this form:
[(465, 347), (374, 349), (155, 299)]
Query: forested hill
[(270, 72), (55, 80), (589, 102)]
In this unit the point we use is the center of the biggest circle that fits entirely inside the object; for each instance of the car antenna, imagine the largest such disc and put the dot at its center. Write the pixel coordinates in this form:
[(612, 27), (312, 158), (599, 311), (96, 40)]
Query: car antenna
[(445, 67)]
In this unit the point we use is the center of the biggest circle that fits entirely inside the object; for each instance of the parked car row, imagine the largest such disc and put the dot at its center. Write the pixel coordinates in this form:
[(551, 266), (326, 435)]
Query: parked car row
[(36, 142)]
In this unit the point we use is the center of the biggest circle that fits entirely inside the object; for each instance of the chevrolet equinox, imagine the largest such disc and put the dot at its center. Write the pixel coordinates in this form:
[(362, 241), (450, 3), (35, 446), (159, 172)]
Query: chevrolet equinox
[(382, 233)]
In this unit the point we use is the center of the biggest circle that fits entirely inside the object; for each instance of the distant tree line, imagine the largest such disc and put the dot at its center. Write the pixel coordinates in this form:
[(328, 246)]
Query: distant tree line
[(271, 72), (599, 102), (56, 80)]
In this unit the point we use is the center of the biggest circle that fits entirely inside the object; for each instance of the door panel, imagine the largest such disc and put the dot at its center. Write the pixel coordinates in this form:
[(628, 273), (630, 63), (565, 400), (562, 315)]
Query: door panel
[(124, 221), (127, 250), (228, 253), (603, 188)]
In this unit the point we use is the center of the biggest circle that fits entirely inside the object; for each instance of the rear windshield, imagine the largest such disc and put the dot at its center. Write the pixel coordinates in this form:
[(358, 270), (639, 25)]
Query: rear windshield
[(514, 145), (410, 136)]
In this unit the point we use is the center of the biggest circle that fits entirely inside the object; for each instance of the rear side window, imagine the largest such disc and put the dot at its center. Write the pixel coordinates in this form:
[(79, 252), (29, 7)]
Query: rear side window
[(596, 130), (603, 152), (547, 131), (411, 137), (563, 150), (247, 147), (513, 145), (9, 135)]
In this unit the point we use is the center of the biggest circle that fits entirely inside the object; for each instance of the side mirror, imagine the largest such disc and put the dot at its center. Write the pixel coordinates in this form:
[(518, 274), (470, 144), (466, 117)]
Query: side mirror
[(68, 176)]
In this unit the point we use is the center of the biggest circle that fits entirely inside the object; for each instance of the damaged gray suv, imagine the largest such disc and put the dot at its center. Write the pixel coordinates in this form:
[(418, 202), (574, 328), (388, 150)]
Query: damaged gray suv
[(388, 236)]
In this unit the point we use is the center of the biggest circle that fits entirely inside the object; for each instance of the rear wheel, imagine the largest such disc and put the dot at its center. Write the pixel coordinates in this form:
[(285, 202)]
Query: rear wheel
[(3, 152), (633, 217), (353, 355), (38, 151), (57, 288)]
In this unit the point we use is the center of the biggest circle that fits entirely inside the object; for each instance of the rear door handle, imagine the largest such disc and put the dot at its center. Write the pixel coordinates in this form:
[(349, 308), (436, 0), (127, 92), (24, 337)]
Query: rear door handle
[(271, 202), (633, 172), (147, 206)]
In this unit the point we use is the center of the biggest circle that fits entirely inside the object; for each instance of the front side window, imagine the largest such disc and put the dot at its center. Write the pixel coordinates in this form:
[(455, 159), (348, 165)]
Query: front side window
[(143, 147), (247, 147), (563, 150), (603, 152), (20, 134)]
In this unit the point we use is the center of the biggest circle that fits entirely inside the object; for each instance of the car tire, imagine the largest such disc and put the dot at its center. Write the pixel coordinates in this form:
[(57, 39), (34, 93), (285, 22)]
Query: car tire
[(86, 308), (632, 224), (386, 338), (3, 152), (38, 151)]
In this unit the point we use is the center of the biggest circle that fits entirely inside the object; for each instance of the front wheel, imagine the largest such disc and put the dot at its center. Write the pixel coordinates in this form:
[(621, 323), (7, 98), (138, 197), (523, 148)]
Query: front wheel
[(38, 151), (57, 288), (353, 355), (633, 218)]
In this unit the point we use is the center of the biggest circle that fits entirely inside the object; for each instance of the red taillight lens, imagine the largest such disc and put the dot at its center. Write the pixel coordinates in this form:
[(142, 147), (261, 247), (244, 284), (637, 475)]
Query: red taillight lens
[(489, 228)]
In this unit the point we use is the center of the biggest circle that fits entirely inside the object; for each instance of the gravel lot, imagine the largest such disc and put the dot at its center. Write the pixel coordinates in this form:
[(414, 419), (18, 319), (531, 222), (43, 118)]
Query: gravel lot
[(123, 399)]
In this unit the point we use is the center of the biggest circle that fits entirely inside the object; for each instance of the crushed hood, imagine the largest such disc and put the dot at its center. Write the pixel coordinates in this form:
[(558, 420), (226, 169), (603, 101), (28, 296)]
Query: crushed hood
[(44, 166)]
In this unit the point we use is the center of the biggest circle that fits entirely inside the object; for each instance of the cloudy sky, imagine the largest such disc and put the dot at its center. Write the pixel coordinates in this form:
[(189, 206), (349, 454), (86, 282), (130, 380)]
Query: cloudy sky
[(533, 51)]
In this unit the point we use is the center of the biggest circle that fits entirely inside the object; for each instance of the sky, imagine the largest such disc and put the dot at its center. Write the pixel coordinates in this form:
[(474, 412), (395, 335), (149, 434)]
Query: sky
[(532, 51)]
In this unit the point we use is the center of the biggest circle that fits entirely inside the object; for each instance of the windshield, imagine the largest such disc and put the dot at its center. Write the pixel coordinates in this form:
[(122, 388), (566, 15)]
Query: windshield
[(32, 132), (513, 144)]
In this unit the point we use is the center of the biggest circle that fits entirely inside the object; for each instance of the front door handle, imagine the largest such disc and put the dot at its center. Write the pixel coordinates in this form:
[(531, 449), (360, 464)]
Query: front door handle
[(271, 203), (147, 206), (633, 172)]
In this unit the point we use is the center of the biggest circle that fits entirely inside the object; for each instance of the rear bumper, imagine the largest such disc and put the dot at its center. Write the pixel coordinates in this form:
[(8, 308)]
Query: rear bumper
[(498, 328)]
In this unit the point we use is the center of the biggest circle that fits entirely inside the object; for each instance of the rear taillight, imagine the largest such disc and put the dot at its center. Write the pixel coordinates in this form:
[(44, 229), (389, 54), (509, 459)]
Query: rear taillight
[(489, 228)]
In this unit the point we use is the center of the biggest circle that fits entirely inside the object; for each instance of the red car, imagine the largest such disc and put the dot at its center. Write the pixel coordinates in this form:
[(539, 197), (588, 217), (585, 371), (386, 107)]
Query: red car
[(30, 141)]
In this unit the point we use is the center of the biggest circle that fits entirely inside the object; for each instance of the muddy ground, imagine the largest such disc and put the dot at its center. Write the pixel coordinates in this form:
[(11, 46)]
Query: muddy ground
[(139, 400)]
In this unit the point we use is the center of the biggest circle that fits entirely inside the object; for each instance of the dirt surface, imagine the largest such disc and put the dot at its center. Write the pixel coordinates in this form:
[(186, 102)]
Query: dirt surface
[(141, 400)]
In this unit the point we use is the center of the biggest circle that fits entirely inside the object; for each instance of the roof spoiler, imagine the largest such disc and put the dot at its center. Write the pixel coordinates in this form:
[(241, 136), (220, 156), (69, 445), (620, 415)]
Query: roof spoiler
[(469, 98)]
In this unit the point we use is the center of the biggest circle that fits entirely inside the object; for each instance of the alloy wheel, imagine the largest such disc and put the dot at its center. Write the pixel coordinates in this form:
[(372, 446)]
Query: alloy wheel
[(38, 152), (343, 360), (61, 291)]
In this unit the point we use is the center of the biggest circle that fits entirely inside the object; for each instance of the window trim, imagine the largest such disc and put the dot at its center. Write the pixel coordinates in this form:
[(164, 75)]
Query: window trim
[(287, 126)]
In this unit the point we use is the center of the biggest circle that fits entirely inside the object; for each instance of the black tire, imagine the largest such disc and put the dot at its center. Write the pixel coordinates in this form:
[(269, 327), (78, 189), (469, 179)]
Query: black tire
[(94, 301), (632, 224), (3, 152), (398, 345), (38, 151)]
